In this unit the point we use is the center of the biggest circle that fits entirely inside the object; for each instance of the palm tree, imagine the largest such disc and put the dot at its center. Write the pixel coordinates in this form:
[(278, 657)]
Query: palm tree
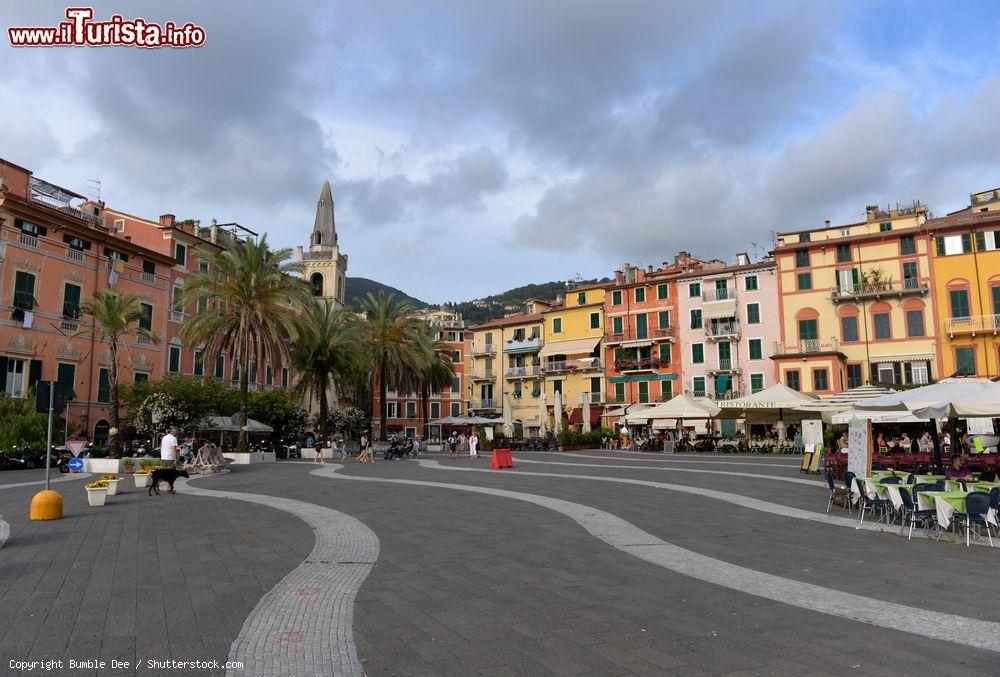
[(328, 351), (251, 292), (438, 370), (391, 336), (114, 315)]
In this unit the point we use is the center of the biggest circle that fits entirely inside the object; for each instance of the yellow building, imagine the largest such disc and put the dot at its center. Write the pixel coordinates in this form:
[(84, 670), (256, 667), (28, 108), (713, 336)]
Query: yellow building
[(966, 273), (855, 303), (502, 359), (571, 357)]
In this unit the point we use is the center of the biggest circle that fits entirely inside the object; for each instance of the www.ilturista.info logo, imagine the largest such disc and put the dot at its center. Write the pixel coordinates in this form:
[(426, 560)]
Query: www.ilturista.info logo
[(80, 31)]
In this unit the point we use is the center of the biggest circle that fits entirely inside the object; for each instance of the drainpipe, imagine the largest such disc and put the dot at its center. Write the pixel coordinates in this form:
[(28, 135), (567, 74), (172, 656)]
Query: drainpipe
[(93, 342), (979, 294)]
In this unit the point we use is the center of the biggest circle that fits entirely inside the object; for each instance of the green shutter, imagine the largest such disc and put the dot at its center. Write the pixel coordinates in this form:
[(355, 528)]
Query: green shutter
[(981, 241), (66, 375), (104, 386), (34, 373), (939, 243), (966, 243)]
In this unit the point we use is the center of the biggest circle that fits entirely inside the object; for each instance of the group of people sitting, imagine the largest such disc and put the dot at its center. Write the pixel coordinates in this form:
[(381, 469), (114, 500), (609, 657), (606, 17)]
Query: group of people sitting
[(904, 444)]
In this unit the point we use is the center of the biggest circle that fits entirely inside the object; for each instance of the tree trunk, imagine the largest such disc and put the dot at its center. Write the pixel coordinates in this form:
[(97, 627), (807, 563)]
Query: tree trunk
[(113, 445), (383, 392), (424, 405), (241, 445), (324, 412)]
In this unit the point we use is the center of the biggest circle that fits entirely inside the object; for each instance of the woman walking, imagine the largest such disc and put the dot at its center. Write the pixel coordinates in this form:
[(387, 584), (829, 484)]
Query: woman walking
[(365, 454), (474, 445)]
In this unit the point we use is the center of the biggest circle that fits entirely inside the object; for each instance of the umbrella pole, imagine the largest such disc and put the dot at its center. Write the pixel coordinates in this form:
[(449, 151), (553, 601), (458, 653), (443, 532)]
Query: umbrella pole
[(937, 444)]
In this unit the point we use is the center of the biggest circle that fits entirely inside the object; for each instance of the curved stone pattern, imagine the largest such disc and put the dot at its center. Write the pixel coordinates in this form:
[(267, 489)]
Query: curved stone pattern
[(304, 624), (67, 478), (776, 478), (629, 538), (4, 531), (665, 458)]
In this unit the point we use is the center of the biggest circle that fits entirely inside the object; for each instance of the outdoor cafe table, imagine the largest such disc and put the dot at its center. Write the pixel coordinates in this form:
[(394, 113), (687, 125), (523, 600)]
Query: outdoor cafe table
[(946, 504)]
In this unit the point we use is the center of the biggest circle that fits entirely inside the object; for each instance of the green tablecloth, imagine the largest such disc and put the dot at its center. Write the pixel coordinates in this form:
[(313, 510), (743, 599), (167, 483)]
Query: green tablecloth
[(955, 499)]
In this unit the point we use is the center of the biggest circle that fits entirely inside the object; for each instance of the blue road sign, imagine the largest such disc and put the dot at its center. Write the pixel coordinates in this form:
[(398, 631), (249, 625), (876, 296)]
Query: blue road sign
[(75, 464)]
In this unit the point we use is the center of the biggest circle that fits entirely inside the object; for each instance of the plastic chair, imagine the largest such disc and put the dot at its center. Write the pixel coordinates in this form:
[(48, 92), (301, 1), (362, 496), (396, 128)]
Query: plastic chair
[(870, 504), (891, 480), (837, 492), (977, 505), (910, 511)]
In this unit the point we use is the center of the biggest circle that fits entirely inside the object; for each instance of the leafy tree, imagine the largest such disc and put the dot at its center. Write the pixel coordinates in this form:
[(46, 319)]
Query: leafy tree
[(350, 422), (21, 425), (280, 410), (391, 338), (116, 315), (195, 397), (249, 292), (328, 351)]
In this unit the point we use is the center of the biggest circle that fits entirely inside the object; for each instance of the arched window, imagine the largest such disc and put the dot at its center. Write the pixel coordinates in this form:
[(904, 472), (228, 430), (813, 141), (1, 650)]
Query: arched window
[(850, 331), (317, 238), (807, 320), (101, 429), (317, 284)]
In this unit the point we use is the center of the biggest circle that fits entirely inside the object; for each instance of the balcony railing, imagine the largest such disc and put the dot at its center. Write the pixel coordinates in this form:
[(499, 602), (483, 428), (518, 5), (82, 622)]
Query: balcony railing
[(724, 294), (630, 334), (595, 398), (697, 392), (483, 349), (483, 404), (522, 372), (975, 324), (725, 364), (881, 289), (805, 347), (639, 364), (74, 254), (142, 339), (556, 366), (726, 395), (176, 315), (525, 345), (71, 311), (148, 277), (486, 375), (28, 240), (613, 398), (720, 329)]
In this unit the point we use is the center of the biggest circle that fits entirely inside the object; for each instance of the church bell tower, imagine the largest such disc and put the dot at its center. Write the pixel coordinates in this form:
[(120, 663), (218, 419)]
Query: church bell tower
[(325, 268)]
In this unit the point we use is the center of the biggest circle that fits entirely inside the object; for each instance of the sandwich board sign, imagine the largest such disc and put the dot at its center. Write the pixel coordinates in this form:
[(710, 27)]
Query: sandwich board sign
[(76, 446), (859, 448)]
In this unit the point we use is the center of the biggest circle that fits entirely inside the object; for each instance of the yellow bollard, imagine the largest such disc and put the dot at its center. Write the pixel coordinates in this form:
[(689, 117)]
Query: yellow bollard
[(46, 505)]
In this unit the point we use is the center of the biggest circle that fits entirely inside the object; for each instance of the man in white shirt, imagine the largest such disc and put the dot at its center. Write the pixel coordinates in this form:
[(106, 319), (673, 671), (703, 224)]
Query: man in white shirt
[(168, 449)]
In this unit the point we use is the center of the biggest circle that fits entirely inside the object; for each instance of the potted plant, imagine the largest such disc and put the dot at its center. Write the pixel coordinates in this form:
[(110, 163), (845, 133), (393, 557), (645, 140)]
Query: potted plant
[(127, 465), (97, 493), (112, 481), (141, 477)]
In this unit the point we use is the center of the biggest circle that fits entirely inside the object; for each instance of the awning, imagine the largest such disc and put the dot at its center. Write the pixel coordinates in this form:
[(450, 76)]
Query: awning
[(576, 416), (920, 357), (580, 346), (719, 309)]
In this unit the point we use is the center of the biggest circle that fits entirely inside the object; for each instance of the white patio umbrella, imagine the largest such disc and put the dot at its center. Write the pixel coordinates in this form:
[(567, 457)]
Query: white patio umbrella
[(508, 423), (543, 415), (829, 408), (585, 410), (680, 407), (775, 400), (557, 413)]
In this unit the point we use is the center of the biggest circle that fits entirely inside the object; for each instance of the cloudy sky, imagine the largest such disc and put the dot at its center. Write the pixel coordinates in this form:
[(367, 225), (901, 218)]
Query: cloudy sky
[(475, 146)]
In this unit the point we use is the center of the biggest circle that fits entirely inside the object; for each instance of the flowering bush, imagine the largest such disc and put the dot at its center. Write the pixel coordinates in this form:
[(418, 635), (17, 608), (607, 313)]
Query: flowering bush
[(109, 477), (167, 411), (99, 484)]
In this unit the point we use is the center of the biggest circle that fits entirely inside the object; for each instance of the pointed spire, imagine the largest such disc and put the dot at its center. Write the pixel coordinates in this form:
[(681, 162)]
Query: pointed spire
[(324, 230)]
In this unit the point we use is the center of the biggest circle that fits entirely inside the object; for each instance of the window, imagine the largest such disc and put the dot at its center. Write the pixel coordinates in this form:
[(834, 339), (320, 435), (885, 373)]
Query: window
[(180, 253), (808, 330), (641, 326), (988, 240), (965, 361), (24, 290), (959, 299), (753, 313), (30, 228), (820, 379), (756, 349), (616, 298), (802, 258), (948, 245), (805, 281), (174, 363), (146, 321), (392, 409), (236, 371), (698, 386), (66, 375), (411, 410), (202, 267), (907, 245), (843, 253), (104, 386), (849, 328), (581, 298), (643, 391), (456, 357), (664, 353), (845, 232), (148, 267), (697, 353), (595, 320), (140, 377), (616, 325), (756, 383), (556, 325), (177, 303), (750, 283), (640, 294), (805, 237), (268, 375), (884, 227), (696, 318), (199, 363), (557, 387), (694, 290), (284, 377), (456, 384), (220, 365), (854, 379), (71, 300), (911, 275), (792, 379), (435, 410), (456, 408), (662, 292), (663, 319), (883, 326), (915, 323), (666, 390), (619, 392)]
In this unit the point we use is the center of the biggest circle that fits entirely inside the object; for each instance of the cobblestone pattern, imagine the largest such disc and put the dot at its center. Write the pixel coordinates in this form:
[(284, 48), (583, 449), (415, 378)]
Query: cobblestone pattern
[(64, 478), (304, 624), (742, 475), (4, 531), (630, 539)]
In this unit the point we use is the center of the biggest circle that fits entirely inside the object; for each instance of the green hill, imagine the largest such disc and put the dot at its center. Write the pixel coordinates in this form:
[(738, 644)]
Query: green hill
[(357, 288), (512, 300)]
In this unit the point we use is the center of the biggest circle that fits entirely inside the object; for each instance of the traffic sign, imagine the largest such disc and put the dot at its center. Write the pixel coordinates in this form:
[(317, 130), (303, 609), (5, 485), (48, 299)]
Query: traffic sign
[(76, 446), (75, 465), (43, 401)]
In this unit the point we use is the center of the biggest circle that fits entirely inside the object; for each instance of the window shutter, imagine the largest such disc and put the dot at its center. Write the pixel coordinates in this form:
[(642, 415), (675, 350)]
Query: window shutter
[(939, 243), (966, 243), (34, 373), (897, 373), (981, 241), (873, 372), (907, 372)]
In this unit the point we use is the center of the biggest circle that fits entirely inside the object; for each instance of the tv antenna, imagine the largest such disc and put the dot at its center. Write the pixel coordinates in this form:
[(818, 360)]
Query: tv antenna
[(94, 189)]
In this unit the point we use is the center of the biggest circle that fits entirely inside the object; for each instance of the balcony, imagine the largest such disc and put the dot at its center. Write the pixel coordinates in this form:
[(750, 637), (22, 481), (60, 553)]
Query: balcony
[(595, 398), (523, 346), (74, 254), (612, 398), (24, 301), (879, 290), (640, 364), (481, 350), (720, 330), (27, 240), (649, 336), (483, 404), (69, 326), (487, 375), (559, 366), (723, 294), (724, 365), (71, 311), (973, 325), (805, 347), (176, 315), (527, 371), (142, 339), (148, 277)]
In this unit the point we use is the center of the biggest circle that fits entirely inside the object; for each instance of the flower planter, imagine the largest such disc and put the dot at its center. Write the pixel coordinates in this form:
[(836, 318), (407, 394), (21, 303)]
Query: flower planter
[(141, 480), (97, 497), (112, 487)]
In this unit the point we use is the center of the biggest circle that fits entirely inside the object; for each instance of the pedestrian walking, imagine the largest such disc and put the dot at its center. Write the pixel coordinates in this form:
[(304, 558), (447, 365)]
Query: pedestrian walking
[(168, 449), (365, 452), (474, 445), (463, 444), (452, 445)]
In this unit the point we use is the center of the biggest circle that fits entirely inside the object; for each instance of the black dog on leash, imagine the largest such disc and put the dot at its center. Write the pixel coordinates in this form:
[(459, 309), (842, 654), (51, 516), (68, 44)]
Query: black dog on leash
[(168, 475)]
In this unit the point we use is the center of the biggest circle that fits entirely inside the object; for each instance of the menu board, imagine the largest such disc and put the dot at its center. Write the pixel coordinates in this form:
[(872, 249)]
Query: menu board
[(859, 460), (812, 433)]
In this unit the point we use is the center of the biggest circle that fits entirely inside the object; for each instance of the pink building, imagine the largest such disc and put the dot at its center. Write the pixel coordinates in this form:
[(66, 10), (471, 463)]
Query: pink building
[(728, 319)]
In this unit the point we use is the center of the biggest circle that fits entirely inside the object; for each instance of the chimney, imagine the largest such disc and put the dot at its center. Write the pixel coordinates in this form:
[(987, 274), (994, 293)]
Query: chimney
[(167, 220), (827, 223), (649, 269)]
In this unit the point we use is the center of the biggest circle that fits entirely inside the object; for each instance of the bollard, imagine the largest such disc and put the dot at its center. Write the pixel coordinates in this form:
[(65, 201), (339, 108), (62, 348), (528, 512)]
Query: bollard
[(46, 505)]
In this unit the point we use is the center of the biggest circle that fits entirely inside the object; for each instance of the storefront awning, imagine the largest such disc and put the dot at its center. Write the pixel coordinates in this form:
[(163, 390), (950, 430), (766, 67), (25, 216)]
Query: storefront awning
[(581, 346), (576, 416), (919, 357)]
